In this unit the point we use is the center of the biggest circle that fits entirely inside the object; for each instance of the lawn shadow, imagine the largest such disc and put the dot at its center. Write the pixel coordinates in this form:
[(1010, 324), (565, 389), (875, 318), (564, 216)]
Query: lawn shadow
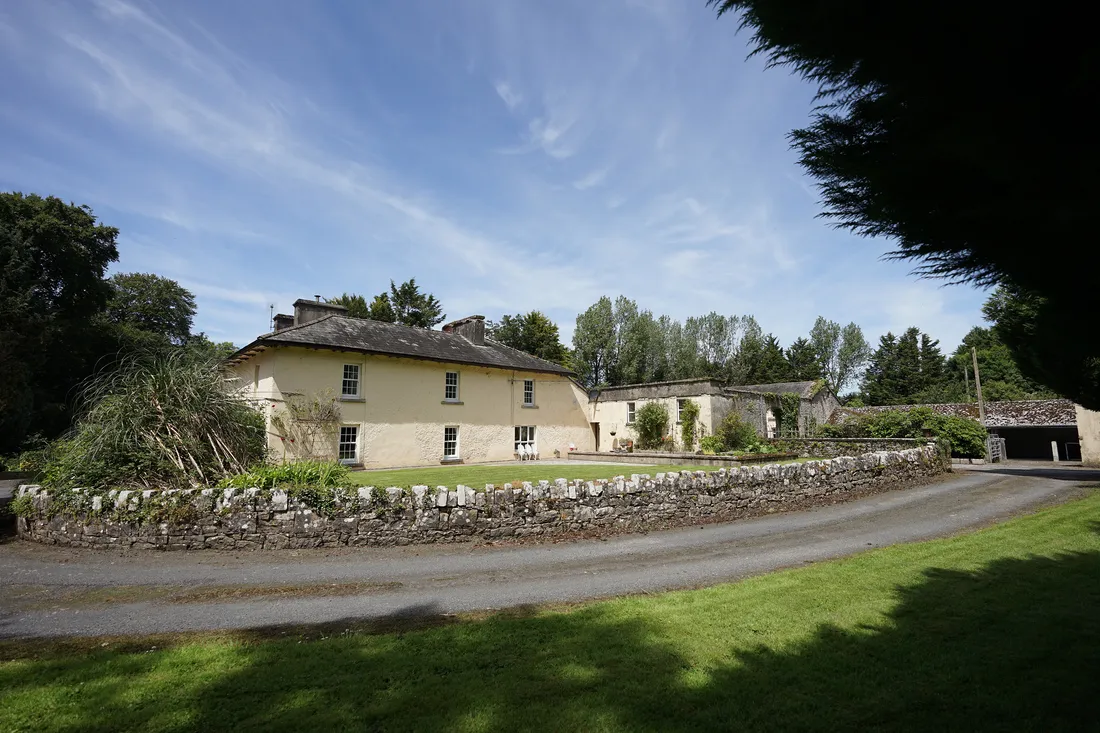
[(1014, 645)]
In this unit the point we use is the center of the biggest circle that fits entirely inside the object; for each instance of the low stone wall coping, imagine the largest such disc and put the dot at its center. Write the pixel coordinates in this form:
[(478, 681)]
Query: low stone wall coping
[(275, 519)]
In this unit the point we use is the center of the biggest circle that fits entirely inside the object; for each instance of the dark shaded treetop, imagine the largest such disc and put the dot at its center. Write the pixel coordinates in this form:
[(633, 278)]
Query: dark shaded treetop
[(958, 131)]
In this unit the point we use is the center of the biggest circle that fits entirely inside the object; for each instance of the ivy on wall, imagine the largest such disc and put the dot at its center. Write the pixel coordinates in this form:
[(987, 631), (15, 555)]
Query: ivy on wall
[(786, 408), (689, 417)]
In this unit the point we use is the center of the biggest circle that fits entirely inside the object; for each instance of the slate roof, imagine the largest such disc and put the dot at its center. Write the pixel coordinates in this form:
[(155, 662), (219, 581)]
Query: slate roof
[(1007, 414), (803, 388), (374, 337)]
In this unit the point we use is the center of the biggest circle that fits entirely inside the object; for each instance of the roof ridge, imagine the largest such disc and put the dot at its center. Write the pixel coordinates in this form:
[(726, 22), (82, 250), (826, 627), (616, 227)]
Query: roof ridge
[(392, 324)]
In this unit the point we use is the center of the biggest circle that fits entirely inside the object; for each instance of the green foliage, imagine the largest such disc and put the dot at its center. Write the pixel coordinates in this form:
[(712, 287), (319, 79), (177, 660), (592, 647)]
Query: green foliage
[(770, 363), (356, 305), (712, 444), (531, 332), (734, 433), (316, 474), (404, 304), (803, 361), (965, 437), (1033, 329), (904, 370), (53, 257), (160, 420), (787, 407), (202, 348), (412, 307), (841, 352), (151, 304), (689, 418), (651, 425), (594, 343)]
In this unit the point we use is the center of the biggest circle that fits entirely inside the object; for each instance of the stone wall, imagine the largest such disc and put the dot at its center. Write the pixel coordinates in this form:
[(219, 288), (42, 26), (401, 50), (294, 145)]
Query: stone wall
[(835, 447), (253, 519)]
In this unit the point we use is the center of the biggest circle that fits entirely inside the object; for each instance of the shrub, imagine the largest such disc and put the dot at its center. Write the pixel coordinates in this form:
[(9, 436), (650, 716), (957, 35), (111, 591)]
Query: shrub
[(964, 437), (735, 433), (299, 473), (33, 461), (712, 444), (165, 420), (689, 416), (651, 424)]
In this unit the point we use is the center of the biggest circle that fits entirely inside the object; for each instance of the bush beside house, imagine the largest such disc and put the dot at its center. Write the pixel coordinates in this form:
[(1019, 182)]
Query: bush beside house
[(965, 437)]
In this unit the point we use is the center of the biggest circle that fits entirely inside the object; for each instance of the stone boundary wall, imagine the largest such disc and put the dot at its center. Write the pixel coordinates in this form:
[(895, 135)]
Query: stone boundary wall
[(835, 447), (229, 519), (656, 458)]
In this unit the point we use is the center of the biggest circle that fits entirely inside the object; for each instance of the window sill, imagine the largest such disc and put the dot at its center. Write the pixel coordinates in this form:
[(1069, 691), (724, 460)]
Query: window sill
[(454, 459), (530, 407), (347, 398), (452, 402)]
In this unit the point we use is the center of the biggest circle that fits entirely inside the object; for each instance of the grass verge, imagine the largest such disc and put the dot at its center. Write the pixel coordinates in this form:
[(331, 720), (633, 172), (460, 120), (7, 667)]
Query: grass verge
[(994, 630)]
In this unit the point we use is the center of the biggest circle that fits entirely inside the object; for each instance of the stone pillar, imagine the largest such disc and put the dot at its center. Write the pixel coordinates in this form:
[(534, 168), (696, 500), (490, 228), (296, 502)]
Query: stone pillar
[(1054, 450)]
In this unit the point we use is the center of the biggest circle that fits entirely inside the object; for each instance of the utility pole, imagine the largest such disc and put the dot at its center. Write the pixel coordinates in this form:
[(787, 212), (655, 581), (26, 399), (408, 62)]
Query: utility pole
[(966, 379), (978, 385), (981, 403)]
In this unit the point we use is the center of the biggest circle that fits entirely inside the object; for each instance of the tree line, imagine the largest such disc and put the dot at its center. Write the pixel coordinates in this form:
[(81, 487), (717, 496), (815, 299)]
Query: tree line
[(616, 342)]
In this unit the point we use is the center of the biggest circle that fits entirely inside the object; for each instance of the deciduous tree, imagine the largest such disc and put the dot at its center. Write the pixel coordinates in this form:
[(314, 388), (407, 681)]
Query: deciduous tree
[(594, 343), (842, 352)]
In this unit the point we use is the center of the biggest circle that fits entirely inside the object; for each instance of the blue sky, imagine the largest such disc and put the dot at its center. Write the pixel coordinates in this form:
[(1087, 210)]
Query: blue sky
[(508, 155)]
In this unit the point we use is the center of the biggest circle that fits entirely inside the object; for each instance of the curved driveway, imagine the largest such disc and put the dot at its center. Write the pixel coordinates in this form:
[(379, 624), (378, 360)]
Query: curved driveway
[(52, 592)]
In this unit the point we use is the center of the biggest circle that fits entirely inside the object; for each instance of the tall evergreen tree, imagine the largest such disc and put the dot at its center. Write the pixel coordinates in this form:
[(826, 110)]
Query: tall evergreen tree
[(920, 139), (803, 361), (772, 365)]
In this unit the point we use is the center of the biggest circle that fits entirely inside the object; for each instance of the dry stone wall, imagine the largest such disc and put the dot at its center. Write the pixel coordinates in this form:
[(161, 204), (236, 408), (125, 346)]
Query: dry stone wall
[(229, 519), (835, 447)]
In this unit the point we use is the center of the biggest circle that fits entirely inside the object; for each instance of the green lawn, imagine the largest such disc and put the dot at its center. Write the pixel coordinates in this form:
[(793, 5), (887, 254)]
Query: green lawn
[(477, 476), (998, 630)]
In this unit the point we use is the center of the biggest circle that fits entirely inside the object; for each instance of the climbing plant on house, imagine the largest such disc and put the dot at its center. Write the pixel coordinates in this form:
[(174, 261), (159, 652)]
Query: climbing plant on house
[(689, 420), (790, 404), (308, 425)]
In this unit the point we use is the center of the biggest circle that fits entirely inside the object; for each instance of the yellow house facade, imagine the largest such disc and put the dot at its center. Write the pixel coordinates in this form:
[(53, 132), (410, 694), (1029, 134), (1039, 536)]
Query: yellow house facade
[(376, 394)]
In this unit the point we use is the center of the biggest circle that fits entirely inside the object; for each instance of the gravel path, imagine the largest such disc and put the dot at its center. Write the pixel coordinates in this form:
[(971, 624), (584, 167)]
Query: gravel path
[(60, 592)]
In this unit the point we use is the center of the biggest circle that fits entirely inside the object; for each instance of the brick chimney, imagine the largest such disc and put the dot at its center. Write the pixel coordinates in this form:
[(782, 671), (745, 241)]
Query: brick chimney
[(471, 328), (306, 311)]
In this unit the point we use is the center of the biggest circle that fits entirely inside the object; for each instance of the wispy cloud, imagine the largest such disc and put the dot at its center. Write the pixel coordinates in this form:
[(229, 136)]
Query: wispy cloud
[(510, 98), (592, 178), (326, 151)]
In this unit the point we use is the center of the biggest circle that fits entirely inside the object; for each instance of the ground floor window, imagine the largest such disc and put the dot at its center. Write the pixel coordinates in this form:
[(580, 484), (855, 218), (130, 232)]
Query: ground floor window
[(450, 442), (349, 444), (525, 435)]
